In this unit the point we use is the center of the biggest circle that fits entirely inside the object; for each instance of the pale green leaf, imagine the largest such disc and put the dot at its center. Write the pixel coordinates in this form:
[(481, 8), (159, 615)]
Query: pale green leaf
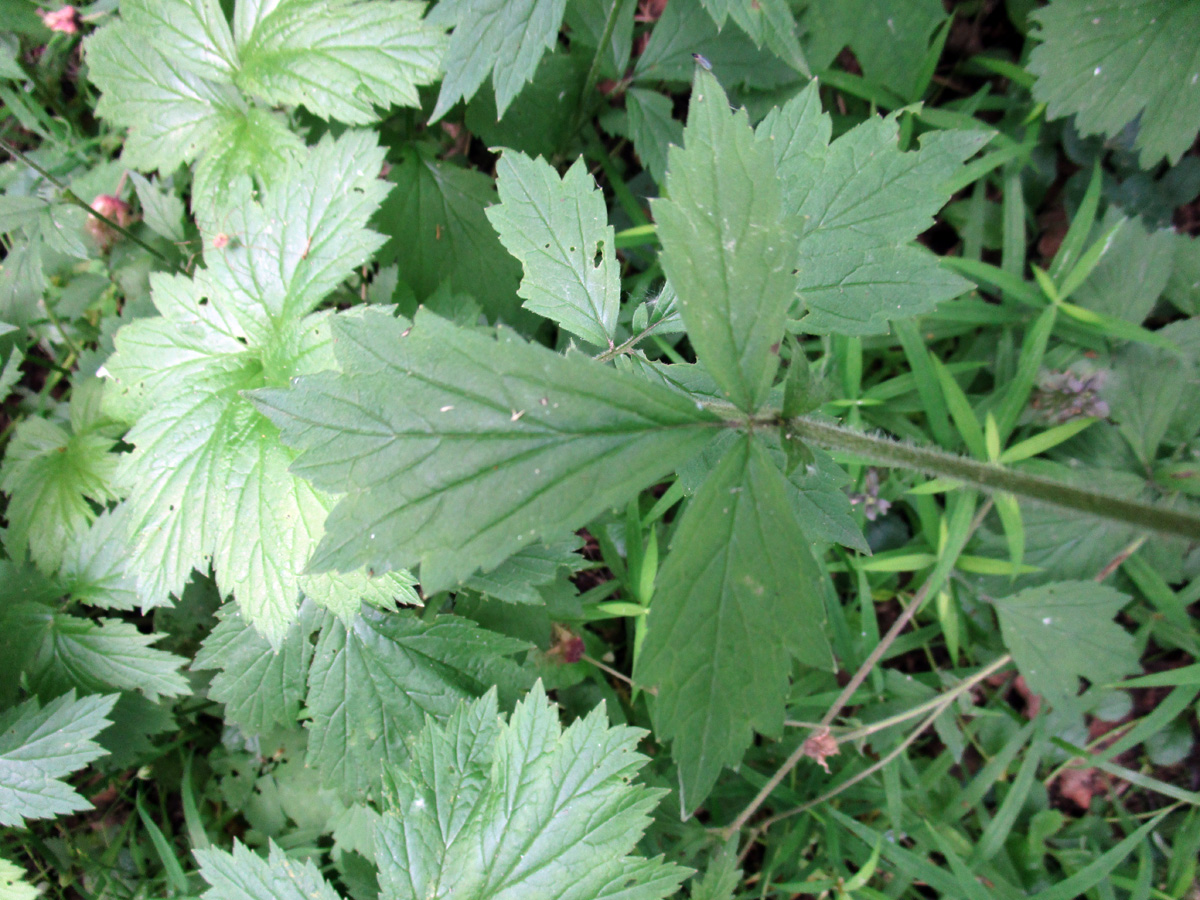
[(1132, 272), (1110, 62), (1183, 287), (493, 810), (62, 652), (244, 875), (262, 688), (194, 33), (39, 745), (161, 210), (438, 232), (727, 245), (13, 885), (208, 479), (504, 37), (861, 203), (1062, 631), (558, 228), (171, 112), (737, 598), (53, 473), (456, 448), (375, 680), (339, 58)]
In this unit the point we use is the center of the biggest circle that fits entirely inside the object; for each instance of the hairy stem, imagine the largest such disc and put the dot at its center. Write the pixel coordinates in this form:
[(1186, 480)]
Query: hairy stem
[(993, 478)]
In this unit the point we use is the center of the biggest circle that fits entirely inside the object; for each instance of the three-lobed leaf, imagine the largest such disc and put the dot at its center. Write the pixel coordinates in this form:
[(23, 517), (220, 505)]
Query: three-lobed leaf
[(728, 247), (493, 810), (456, 448), (738, 597)]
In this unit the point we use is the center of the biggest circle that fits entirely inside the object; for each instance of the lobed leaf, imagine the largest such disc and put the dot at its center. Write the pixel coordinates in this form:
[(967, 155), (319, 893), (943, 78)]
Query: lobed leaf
[(737, 598), (492, 810), (456, 449)]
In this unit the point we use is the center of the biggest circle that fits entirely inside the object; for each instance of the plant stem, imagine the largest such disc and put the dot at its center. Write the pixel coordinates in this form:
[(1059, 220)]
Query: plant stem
[(993, 478), (593, 75), (71, 197)]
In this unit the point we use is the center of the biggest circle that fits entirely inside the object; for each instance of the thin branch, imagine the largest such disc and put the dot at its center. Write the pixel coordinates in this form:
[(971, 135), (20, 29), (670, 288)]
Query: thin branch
[(71, 197)]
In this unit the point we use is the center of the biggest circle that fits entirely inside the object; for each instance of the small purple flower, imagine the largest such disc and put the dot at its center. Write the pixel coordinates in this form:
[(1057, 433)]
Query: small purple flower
[(1062, 396), (873, 505)]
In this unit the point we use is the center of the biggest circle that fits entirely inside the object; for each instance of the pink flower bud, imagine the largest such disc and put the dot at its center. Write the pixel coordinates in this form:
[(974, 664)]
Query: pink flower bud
[(65, 20), (112, 208)]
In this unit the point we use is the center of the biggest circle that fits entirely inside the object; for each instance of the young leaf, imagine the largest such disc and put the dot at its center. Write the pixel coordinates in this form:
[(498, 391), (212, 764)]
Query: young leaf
[(375, 681), (53, 474), (61, 652), (737, 598), (727, 246), (261, 688), (558, 229), (517, 579), (862, 202), (1110, 62), (1060, 632), (39, 745), (505, 37), (457, 449), (208, 480), (243, 875), (765, 21), (488, 810)]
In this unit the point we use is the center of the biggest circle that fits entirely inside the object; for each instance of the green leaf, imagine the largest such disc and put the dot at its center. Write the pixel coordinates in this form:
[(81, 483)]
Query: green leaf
[(1062, 631), (721, 878), (13, 885), (208, 479), (504, 37), (765, 21), (161, 210), (457, 448), (558, 229), (652, 128), (93, 568), (1183, 288), (172, 113), (243, 875), (890, 38), (517, 579), (489, 810), (262, 688), (1110, 62), (737, 598), (195, 33), (726, 246), (375, 680), (1132, 272), (53, 474), (39, 745), (862, 202), (61, 652), (438, 231), (340, 59)]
